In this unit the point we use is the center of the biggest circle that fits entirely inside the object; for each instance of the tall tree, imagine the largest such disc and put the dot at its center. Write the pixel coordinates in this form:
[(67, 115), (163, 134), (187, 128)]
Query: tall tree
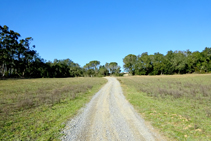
[(114, 68), (158, 62), (179, 62), (103, 71), (130, 62), (144, 64), (95, 65), (92, 68)]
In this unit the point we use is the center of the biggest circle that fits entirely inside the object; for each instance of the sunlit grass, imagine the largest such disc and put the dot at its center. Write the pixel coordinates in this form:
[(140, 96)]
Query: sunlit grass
[(36, 109), (180, 106)]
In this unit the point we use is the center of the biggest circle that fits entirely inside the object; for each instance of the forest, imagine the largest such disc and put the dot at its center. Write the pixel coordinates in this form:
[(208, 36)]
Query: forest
[(174, 62), (19, 59)]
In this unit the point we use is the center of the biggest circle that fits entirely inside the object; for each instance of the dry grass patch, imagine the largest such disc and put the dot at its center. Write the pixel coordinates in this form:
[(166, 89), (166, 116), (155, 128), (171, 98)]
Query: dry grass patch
[(180, 105), (33, 109)]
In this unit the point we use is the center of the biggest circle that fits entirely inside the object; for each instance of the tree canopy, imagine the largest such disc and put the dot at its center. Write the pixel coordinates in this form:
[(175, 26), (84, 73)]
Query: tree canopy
[(19, 59), (174, 62), (129, 63)]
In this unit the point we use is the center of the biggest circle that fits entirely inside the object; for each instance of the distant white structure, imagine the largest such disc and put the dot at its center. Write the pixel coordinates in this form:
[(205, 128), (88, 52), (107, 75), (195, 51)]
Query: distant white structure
[(126, 73)]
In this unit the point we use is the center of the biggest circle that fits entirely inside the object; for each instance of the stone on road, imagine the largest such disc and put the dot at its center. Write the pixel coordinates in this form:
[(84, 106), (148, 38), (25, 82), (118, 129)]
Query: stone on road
[(108, 116)]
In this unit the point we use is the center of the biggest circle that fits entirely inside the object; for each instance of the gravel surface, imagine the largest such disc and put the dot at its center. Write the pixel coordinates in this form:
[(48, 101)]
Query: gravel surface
[(109, 116)]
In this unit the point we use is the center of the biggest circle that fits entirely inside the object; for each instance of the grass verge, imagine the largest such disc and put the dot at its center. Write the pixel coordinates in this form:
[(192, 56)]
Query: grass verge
[(37, 109), (180, 106)]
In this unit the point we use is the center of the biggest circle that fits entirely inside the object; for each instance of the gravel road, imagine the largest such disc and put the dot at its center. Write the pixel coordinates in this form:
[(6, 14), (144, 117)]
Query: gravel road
[(109, 116)]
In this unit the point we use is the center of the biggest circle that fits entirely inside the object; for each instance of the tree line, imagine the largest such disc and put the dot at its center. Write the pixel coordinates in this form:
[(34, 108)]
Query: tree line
[(19, 59), (174, 62)]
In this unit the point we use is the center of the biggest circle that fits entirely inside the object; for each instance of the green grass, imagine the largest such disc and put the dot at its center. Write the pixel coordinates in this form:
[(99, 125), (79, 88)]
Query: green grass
[(37, 109), (179, 106)]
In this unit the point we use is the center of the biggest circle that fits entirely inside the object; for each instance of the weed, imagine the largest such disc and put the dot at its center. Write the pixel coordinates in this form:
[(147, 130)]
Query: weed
[(34, 109), (182, 103)]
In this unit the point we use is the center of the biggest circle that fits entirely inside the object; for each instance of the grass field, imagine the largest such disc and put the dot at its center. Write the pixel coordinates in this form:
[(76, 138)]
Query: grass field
[(179, 105), (36, 109)]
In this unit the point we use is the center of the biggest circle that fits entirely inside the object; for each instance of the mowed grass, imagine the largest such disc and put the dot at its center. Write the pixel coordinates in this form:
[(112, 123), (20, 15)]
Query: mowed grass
[(178, 105), (37, 109)]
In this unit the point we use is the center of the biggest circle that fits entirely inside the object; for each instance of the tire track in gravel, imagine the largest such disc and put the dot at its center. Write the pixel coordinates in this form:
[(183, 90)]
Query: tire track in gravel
[(108, 116)]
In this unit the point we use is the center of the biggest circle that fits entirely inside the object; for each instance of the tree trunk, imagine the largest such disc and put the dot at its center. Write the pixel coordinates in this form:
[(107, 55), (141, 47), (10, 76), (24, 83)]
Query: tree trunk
[(23, 72), (3, 70)]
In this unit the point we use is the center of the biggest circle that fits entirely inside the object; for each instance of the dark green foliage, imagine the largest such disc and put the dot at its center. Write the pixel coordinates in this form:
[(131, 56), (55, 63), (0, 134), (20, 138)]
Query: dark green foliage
[(93, 68), (16, 55), (113, 66), (103, 71), (177, 62), (18, 59), (129, 63)]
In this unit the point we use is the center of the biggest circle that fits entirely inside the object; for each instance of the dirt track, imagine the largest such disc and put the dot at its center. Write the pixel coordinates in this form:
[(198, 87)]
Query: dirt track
[(109, 116)]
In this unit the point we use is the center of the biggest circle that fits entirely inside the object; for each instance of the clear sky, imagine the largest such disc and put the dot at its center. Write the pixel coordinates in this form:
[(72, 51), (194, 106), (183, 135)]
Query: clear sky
[(108, 30)]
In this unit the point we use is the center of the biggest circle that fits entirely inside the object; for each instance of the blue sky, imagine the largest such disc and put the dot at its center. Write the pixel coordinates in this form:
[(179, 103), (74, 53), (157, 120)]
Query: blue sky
[(108, 30)]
